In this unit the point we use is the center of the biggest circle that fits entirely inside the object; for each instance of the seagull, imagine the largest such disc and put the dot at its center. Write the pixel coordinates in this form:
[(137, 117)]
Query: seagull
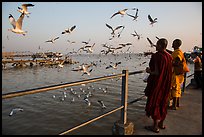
[(134, 17), (83, 68), (152, 45), (17, 25), (52, 40), (121, 12), (87, 101), (69, 30), (61, 64), (86, 42), (90, 48), (71, 42), (113, 66), (135, 34), (157, 37), (152, 21), (101, 103), (113, 30), (15, 110), (24, 9), (125, 44)]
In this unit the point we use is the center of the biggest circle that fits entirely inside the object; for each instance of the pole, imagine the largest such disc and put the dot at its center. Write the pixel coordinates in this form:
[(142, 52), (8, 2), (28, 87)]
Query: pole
[(124, 97)]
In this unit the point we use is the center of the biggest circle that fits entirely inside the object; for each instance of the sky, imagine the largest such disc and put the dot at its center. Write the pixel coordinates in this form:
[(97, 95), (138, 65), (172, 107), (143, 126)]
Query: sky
[(48, 20)]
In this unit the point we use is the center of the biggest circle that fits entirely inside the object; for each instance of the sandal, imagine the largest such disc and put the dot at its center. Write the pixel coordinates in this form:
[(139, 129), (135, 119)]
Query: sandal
[(162, 127), (151, 128)]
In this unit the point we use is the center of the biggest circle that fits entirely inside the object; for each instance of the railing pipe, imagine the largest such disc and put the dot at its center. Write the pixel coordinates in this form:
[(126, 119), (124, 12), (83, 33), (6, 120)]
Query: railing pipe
[(124, 97)]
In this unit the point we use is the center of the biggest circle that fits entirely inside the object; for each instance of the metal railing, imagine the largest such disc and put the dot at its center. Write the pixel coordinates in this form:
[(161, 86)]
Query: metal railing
[(124, 95)]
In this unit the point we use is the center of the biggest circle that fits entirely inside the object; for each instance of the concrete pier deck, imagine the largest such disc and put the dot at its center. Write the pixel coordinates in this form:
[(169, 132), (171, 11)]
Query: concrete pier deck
[(187, 120)]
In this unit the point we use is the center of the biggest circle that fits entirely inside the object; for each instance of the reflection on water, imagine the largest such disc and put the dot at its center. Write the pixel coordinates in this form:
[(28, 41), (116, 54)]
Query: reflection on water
[(55, 111)]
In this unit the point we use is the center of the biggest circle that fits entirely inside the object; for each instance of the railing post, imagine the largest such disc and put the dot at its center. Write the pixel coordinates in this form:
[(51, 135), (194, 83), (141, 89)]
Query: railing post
[(184, 82), (124, 97), (123, 127)]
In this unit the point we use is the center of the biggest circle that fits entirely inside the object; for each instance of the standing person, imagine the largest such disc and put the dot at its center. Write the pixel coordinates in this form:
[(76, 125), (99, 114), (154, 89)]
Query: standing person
[(179, 68), (198, 70), (158, 85)]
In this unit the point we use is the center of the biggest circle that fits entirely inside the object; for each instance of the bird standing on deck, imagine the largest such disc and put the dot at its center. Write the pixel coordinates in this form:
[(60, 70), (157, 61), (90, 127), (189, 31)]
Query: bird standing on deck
[(24, 9), (17, 25)]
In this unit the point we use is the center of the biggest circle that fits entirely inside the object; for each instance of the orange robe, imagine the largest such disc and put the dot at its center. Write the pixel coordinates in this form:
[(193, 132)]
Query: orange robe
[(177, 80)]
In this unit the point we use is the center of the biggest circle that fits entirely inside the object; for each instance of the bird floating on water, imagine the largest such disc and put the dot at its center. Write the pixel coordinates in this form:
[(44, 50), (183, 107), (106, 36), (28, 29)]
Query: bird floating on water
[(24, 9), (121, 12), (17, 25)]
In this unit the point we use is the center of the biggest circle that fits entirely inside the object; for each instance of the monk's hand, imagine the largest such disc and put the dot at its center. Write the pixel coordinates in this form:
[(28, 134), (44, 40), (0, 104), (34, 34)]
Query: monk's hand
[(148, 69)]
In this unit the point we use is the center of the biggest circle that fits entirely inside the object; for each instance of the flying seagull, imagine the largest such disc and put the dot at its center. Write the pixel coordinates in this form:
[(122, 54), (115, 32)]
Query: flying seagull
[(113, 66), (101, 103), (17, 25), (136, 34), (15, 110), (152, 44), (152, 21), (113, 30), (69, 30), (121, 12), (52, 40), (134, 17), (157, 37), (24, 9)]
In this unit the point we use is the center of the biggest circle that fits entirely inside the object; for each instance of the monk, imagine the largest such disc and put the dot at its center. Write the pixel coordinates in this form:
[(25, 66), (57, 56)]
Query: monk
[(158, 85), (178, 74)]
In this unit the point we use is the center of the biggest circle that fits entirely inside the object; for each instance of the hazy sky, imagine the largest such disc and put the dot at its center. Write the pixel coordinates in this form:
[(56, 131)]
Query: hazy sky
[(47, 20)]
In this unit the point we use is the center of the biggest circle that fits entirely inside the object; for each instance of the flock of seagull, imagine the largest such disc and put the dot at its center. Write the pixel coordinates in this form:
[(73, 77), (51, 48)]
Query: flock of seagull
[(87, 47), (17, 28), (17, 25)]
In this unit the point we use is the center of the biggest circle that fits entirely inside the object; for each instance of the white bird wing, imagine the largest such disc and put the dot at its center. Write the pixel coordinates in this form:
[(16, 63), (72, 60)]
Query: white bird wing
[(24, 6), (20, 21), (12, 21), (11, 113)]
